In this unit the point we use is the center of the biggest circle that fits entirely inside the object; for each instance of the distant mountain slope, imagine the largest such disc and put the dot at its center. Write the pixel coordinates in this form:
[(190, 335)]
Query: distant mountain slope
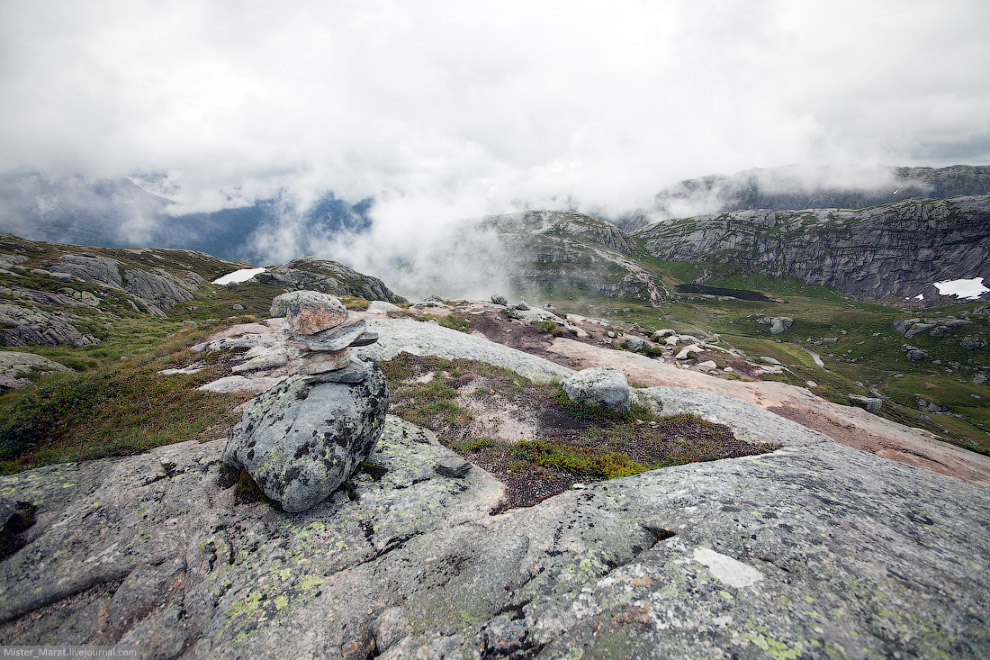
[(564, 253), (797, 187), (118, 213), (53, 293), (894, 251)]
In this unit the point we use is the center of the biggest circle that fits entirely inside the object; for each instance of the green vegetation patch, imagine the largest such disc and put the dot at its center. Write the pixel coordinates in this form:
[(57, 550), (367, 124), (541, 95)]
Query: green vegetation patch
[(113, 411), (571, 442), (549, 327), (456, 321)]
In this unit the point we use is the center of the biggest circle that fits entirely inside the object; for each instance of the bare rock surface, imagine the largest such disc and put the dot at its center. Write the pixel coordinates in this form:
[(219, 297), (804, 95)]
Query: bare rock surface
[(814, 550), (398, 335)]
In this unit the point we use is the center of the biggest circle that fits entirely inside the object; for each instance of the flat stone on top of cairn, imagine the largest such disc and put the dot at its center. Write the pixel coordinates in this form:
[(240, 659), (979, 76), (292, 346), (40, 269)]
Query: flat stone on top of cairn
[(309, 312)]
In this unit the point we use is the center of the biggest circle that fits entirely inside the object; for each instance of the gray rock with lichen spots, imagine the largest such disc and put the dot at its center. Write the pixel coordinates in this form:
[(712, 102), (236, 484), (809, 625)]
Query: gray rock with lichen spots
[(301, 440), (601, 387)]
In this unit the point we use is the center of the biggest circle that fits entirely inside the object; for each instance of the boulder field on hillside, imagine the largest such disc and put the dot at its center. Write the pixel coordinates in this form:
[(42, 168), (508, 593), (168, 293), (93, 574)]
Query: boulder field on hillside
[(813, 550)]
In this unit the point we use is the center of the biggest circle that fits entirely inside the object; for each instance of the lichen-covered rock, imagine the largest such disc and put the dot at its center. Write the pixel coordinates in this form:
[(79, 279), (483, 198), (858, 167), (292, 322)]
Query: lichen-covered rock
[(23, 325), (599, 386), (301, 440), (309, 312)]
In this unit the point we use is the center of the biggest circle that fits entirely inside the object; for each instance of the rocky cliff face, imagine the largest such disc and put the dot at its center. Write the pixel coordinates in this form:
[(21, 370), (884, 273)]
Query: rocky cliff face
[(572, 251), (895, 251)]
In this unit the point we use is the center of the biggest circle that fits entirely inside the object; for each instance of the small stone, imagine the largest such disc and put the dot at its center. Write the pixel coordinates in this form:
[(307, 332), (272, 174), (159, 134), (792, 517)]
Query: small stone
[(499, 300), (334, 339), (707, 365), (811, 384), (770, 360), (317, 363), (366, 339), (355, 372), (238, 307), (453, 467), (522, 306)]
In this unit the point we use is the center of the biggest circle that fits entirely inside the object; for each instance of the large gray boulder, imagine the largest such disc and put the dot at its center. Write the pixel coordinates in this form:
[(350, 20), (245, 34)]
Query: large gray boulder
[(301, 440), (599, 386)]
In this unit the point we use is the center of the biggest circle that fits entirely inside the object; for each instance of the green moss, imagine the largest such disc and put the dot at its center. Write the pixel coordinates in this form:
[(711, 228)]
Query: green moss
[(457, 322), (549, 327)]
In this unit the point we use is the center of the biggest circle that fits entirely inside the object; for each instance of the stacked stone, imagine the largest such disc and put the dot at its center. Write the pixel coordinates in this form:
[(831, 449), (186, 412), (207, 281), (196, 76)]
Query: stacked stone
[(317, 325), (303, 438)]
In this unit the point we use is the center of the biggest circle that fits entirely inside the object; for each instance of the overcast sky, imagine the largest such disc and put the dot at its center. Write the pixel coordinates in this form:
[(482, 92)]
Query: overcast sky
[(462, 108)]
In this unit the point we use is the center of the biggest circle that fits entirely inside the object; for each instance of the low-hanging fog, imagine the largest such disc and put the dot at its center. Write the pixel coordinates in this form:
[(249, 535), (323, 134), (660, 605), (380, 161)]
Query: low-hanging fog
[(441, 111)]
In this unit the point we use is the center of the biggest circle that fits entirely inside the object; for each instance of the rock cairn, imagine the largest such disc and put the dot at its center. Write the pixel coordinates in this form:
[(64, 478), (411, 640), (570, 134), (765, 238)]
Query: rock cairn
[(303, 438)]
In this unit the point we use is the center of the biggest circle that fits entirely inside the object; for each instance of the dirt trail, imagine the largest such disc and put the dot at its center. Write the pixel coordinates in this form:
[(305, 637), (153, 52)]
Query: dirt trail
[(848, 425)]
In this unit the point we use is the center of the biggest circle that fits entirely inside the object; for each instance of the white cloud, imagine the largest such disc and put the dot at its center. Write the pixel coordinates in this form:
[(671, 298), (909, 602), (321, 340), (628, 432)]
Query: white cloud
[(443, 109)]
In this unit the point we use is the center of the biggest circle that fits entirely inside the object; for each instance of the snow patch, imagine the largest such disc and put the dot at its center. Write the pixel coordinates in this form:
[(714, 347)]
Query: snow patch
[(920, 296), (730, 571), (968, 289), (242, 275)]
